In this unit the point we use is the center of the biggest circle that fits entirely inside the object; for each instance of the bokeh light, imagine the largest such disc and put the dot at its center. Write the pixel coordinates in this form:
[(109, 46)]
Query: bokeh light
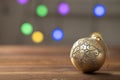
[(42, 10), (63, 8), (22, 2), (57, 34), (26, 28), (99, 10), (37, 37)]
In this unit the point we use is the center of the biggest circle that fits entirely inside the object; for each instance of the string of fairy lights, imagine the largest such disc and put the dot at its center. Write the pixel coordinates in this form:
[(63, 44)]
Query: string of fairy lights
[(57, 34)]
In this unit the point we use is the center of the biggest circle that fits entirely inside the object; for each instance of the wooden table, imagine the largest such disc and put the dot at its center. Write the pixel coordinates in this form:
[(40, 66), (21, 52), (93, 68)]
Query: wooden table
[(50, 63)]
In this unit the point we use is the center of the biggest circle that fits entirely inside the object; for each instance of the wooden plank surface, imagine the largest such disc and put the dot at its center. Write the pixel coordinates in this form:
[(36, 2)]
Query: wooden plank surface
[(50, 63)]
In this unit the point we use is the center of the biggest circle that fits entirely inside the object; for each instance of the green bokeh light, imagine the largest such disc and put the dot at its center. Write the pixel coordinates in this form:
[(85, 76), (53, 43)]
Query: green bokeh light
[(26, 28), (42, 10)]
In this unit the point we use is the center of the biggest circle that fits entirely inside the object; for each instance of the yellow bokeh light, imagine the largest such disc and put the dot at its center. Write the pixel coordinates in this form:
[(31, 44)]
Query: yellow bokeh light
[(37, 37)]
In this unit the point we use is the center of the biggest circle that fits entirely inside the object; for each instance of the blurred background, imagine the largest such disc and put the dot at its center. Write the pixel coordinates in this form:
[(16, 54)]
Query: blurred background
[(58, 22)]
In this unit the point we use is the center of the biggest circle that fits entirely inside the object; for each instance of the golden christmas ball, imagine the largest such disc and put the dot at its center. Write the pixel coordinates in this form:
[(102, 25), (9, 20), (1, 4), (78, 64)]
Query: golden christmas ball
[(88, 54)]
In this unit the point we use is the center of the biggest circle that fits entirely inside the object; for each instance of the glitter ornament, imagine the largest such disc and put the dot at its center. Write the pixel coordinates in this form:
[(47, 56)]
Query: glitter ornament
[(88, 54)]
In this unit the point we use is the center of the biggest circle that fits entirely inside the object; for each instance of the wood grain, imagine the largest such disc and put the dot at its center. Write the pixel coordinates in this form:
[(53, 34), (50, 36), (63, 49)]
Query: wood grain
[(50, 63)]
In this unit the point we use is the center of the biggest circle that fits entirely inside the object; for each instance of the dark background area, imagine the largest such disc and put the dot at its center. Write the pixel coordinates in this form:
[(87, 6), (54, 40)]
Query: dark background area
[(80, 22)]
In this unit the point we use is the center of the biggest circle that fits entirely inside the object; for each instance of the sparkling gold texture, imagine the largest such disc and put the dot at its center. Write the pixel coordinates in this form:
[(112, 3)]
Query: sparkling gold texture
[(88, 54)]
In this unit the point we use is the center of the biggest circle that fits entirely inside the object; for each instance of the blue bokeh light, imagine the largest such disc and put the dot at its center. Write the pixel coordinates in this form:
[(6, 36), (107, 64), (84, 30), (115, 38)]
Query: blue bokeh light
[(99, 10), (57, 34)]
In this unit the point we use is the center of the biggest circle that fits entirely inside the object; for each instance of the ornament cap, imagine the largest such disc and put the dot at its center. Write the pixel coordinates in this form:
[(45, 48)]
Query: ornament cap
[(97, 36)]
